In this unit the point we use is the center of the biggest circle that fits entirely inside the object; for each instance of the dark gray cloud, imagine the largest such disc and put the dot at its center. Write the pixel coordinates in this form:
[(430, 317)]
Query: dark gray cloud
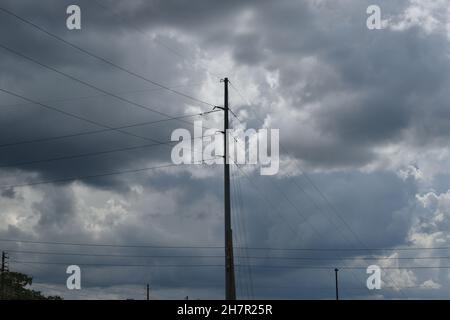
[(8, 193)]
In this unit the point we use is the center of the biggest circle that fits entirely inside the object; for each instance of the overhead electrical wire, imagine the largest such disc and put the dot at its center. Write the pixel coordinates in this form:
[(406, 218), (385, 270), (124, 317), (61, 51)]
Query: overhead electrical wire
[(123, 265), (23, 56), (110, 244), (309, 249), (89, 254), (264, 266), (87, 119), (305, 220), (93, 176), (93, 96), (324, 197), (103, 59), (84, 133), (95, 153)]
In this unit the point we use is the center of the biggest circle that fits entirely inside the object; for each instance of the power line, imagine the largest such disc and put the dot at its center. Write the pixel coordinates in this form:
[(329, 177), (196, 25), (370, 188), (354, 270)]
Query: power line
[(349, 268), (266, 199), (72, 115), (242, 97), (221, 247), (325, 198), (242, 226), (93, 96), (350, 249), (103, 59), (305, 220), (113, 255), (111, 245), (349, 258), (90, 85), (93, 176), (125, 265), (221, 266), (103, 130), (88, 120), (287, 198), (96, 153), (314, 186), (238, 232), (246, 256)]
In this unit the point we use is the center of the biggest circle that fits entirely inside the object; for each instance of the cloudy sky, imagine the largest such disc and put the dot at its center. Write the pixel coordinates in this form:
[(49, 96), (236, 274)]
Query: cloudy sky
[(364, 127)]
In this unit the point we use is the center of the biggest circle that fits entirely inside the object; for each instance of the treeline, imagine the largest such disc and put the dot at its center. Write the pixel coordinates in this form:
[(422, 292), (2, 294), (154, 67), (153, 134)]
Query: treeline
[(13, 286)]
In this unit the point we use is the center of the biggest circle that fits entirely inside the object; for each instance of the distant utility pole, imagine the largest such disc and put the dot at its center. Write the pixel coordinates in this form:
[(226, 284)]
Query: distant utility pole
[(4, 269), (337, 288), (230, 286), (148, 291)]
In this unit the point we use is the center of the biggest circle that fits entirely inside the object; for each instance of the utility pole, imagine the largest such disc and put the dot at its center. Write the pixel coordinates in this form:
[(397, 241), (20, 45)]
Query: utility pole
[(148, 291), (337, 288), (230, 287), (4, 269)]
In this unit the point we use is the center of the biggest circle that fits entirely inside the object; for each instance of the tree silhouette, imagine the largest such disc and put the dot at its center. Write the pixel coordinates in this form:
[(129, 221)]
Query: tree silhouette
[(14, 288)]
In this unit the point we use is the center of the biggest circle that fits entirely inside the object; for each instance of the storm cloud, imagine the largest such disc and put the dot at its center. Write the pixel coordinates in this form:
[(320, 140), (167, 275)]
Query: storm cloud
[(363, 121)]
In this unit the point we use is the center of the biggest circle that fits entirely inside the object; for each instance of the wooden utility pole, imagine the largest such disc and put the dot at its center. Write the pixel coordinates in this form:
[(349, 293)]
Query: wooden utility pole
[(336, 278), (230, 287)]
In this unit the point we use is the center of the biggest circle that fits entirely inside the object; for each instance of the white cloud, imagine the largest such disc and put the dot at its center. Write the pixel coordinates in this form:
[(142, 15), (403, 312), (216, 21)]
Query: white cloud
[(426, 14)]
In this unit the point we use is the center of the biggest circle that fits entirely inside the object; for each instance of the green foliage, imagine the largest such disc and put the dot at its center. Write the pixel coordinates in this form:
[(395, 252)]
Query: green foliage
[(14, 288)]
